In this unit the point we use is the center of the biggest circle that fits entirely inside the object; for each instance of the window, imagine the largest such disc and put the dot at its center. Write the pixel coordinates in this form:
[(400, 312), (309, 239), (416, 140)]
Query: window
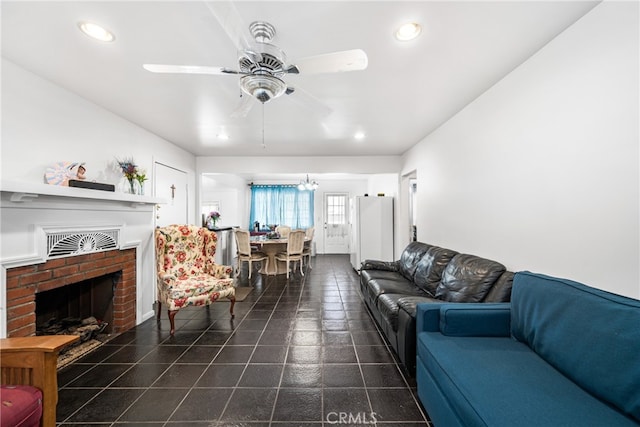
[(336, 209), (281, 205)]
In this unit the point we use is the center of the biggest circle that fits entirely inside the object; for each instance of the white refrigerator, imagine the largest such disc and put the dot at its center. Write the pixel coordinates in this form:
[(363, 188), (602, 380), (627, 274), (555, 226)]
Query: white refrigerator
[(371, 229)]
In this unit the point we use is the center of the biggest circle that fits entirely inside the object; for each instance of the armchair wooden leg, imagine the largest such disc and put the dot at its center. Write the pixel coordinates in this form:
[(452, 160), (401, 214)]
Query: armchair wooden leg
[(233, 302), (172, 321)]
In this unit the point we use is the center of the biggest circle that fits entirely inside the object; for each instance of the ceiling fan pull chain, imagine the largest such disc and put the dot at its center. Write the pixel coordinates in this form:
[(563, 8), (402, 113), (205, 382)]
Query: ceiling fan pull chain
[(264, 146)]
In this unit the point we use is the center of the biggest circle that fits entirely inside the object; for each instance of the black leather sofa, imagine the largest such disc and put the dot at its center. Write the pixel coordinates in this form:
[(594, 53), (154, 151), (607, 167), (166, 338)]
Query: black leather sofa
[(426, 273)]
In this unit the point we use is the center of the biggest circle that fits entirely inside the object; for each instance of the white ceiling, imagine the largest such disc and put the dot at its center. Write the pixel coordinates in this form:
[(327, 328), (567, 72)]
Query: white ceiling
[(408, 89)]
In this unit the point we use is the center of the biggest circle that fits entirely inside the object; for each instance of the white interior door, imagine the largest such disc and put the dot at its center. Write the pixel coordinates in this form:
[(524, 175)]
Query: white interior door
[(171, 184), (336, 225)]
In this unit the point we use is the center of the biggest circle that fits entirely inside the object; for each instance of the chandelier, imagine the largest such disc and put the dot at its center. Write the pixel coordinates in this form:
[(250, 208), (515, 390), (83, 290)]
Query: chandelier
[(308, 185)]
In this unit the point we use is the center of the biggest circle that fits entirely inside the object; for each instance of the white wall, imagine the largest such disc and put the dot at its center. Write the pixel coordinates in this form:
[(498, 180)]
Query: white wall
[(541, 172), (43, 123)]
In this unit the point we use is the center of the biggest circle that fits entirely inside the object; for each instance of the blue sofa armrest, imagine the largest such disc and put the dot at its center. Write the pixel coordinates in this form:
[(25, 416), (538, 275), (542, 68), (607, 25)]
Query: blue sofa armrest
[(428, 317), (465, 319)]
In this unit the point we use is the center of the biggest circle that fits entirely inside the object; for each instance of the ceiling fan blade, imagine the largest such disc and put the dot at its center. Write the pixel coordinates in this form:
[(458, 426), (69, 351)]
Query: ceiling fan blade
[(336, 62), (304, 98), (231, 22), (187, 69), (246, 104)]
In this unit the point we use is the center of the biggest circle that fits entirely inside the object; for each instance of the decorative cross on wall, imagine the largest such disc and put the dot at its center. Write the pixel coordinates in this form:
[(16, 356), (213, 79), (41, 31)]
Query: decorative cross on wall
[(173, 191)]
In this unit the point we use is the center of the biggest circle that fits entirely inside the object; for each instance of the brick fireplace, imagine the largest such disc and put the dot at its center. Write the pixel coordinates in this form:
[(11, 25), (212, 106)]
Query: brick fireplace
[(23, 283), (53, 236)]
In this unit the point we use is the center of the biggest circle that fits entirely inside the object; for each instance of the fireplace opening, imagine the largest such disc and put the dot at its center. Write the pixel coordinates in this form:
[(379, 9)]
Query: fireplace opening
[(82, 300), (84, 309)]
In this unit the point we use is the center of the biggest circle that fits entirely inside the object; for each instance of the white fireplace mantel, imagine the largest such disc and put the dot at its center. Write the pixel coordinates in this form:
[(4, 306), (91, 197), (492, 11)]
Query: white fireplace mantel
[(28, 191)]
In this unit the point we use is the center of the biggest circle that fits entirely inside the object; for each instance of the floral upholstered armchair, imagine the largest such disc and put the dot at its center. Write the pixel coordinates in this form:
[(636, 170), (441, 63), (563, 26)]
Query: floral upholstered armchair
[(187, 274)]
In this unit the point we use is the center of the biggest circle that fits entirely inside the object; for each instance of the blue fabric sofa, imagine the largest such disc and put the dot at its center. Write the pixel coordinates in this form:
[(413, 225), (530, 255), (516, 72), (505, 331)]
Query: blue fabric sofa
[(559, 354)]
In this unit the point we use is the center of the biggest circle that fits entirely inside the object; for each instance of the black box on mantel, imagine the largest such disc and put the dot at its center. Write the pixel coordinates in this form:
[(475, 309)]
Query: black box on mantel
[(91, 185)]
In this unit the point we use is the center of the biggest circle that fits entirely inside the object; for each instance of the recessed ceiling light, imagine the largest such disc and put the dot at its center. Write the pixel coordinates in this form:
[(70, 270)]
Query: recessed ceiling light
[(359, 135), (96, 31), (223, 136), (408, 31)]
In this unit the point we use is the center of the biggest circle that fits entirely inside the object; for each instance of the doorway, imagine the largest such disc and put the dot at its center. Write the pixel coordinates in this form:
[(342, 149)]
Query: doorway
[(171, 184), (413, 210), (336, 225)]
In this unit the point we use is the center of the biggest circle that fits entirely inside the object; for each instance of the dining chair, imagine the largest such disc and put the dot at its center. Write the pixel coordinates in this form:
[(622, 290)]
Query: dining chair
[(306, 252), (295, 246), (245, 254), (283, 231)]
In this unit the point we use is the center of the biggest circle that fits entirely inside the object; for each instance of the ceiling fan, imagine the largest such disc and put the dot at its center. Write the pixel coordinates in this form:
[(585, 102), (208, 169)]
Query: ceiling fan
[(262, 65)]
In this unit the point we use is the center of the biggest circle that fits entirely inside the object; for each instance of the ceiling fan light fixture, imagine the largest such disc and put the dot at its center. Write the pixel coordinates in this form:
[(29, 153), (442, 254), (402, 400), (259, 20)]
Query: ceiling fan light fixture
[(262, 87), (96, 32), (408, 31)]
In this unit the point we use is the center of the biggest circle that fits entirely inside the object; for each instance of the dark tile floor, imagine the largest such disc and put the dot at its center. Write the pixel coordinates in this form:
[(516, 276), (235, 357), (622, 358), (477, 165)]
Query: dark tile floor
[(302, 352)]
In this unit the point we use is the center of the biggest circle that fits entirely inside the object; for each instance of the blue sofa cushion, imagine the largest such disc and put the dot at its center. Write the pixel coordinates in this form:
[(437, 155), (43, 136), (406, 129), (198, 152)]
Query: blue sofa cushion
[(479, 320), (494, 381), (591, 336)]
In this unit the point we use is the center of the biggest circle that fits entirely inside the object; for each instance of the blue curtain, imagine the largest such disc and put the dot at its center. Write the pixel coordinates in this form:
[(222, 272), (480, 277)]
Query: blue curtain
[(281, 205)]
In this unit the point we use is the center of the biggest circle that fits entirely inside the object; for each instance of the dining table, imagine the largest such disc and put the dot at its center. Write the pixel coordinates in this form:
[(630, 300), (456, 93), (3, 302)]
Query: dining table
[(271, 247)]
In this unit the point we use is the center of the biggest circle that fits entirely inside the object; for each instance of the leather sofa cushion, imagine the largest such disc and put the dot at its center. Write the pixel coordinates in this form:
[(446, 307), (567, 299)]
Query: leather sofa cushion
[(21, 405), (501, 290), (467, 278), (374, 264), (410, 258), (388, 307), (430, 267), (399, 285), (589, 335), (409, 303), (368, 275)]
